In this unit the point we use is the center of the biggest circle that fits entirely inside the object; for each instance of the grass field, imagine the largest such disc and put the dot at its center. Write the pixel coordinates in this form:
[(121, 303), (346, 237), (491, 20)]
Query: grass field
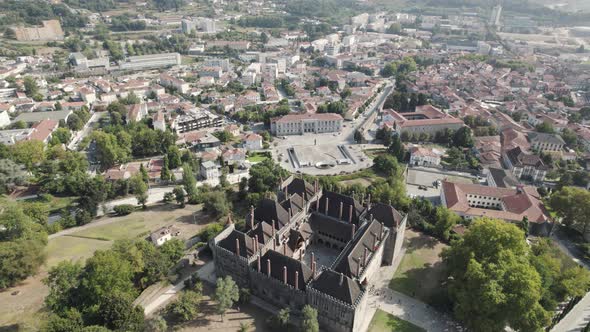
[(420, 272), (384, 322), (25, 307), (258, 157)]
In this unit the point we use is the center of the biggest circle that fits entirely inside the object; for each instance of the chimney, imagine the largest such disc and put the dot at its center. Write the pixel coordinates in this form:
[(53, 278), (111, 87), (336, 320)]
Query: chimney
[(286, 192), (326, 208), (340, 211), (350, 214), (358, 267), (341, 278), (317, 205), (313, 269), (254, 244), (290, 213), (296, 279), (237, 247), (285, 249), (251, 216), (365, 258), (371, 217), (374, 241), (369, 201), (268, 267), (258, 263), (256, 241), (353, 230), (274, 242), (381, 233), (285, 274)]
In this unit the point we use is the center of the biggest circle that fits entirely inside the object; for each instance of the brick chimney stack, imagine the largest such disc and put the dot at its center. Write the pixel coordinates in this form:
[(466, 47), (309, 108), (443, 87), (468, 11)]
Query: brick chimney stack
[(296, 279), (237, 247), (285, 274)]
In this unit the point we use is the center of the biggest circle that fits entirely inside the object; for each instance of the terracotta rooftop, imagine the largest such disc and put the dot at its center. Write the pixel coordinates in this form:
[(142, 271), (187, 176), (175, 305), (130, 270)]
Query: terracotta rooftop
[(517, 203)]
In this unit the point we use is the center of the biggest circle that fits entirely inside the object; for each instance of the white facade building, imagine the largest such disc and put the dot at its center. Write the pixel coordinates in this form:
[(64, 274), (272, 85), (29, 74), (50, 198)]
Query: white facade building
[(299, 124)]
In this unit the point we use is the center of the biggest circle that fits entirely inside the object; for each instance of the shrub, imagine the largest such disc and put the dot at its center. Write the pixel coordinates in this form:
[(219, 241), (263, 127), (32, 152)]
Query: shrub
[(124, 209)]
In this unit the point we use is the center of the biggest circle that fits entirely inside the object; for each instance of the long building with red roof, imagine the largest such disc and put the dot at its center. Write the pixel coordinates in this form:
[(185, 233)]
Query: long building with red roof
[(474, 201)]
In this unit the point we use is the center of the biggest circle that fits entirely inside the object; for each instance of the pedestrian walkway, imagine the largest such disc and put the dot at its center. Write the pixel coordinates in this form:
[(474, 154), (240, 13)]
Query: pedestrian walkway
[(577, 318)]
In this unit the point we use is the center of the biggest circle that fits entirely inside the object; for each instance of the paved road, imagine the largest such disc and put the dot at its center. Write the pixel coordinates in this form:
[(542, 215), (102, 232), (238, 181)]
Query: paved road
[(206, 273), (88, 127)]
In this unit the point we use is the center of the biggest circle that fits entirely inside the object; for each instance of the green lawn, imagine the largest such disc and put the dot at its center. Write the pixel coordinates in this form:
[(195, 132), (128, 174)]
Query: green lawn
[(420, 273), (256, 157), (384, 322), (73, 249)]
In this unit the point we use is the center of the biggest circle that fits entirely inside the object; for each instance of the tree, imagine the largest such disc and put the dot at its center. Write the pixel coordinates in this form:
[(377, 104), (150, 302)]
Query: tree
[(179, 195), (358, 136), (445, 220), (22, 244), (226, 293), (189, 182), (545, 127), (187, 306), (492, 283), (117, 312), (310, 319), (62, 281), (69, 321), (223, 136), (396, 148), (139, 189), (144, 174), (174, 158), (31, 87), (28, 153), (60, 136), (157, 324), (105, 273), (172, 250), (165, 171), (524, 225), (216, 203), (264, 38), (387, 165), (463, 138), (572, 204)]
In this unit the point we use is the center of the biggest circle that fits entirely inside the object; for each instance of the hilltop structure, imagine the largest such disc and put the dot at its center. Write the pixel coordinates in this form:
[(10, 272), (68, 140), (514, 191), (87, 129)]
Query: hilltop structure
[(310, 246)]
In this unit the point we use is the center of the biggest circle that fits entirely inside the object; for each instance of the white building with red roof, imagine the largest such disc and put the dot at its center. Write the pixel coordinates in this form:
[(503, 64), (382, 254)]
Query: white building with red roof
[(426, 119), (474, 201), (300, 124), (252, 142)]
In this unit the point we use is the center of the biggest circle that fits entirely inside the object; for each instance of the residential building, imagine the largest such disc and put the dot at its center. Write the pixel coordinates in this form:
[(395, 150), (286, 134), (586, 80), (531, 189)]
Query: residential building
[(499, 177), (420, 156), (209, 170), (163, 235), (524, 165), (159, 121), (42, 130), (34, 117), (175, 83), (195, 120), (4, 118), (474, 201), (253, 142), (544, 142), (136, 112), (299, 124)]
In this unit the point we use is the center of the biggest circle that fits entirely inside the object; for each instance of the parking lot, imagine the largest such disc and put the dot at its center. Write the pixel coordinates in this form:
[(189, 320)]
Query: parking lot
[(422, 181)]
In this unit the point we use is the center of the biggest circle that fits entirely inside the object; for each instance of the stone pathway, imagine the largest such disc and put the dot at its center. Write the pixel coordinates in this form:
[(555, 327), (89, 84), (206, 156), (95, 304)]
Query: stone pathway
[(577, 318)]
